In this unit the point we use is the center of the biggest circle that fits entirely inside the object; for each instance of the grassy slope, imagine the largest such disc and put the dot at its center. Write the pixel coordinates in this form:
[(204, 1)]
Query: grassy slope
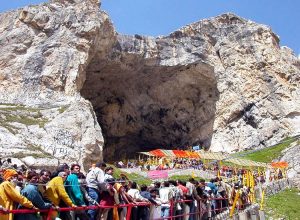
[(132, 176), (271, 153), (144, 180), (265, 155), (285, 204), (183, 177)]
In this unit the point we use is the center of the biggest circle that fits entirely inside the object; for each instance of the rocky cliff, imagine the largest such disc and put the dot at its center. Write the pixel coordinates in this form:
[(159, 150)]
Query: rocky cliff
[(223, 82)]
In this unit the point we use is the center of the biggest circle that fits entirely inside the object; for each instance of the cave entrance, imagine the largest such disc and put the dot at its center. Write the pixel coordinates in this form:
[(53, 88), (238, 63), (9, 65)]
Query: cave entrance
[(141, 105)]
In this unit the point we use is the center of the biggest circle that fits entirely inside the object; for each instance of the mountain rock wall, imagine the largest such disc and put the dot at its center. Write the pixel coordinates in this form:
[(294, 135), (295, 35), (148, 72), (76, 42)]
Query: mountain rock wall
[(45, 51), (224, 83)]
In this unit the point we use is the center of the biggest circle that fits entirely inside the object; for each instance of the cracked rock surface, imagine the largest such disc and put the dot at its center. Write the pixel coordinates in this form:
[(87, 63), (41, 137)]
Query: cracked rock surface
[(71, 88)]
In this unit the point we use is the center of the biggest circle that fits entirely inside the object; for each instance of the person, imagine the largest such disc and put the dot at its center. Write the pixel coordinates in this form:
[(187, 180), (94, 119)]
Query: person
[(9, 195), (145, 210), (109, 171), (123, 196), (95, 184), (55, 192), (147, 195), (155, 210), (108, 198), (136, 212), (166, 195), (7, 163), (193, 196), (177, 197), (83, 188), (203, 209), (61, 168), (73, 189), (43, 180), (148, 167), (32, 194), (182, 186), (280, 175)]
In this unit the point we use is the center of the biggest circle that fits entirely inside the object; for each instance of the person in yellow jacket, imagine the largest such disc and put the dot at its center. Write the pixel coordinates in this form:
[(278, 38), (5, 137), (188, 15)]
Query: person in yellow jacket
[(9, 195), (55, 192)]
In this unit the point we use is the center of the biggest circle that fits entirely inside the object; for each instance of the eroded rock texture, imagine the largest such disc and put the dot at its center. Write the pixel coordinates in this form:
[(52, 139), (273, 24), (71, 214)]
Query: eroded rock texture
[(224, 83), (142, 105), (45, 50)]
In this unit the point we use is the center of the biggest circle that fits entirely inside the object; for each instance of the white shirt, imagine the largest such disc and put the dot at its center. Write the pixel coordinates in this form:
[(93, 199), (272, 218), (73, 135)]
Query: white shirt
[(95, 178), (135, 194), (165, 195)]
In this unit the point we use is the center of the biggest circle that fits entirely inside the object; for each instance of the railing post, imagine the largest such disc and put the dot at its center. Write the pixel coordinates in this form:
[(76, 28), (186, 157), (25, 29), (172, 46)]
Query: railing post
[(221, 204), (129, 208), (49, 214), (200, 209), (171, 209)]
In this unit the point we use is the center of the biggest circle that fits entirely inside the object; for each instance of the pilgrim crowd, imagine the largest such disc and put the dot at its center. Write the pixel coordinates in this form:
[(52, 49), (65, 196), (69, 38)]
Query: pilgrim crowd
[(22, 188)]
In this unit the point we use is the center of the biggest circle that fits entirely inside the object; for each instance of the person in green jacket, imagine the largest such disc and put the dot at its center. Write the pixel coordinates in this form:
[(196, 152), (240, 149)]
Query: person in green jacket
[(73, 189)]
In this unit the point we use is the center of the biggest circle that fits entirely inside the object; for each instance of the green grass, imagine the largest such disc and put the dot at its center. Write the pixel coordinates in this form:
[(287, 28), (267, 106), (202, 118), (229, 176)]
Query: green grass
[(271, 153), (17, 107), (20, 114), (62, 109), (12, 129), (285, 204), (144, 180), (21, 155), (183, 177), (36, 151), (26, 120), (132, 176)]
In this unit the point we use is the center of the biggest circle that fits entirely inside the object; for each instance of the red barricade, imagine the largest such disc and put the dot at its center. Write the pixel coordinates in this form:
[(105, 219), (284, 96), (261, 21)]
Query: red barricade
[(198, 211)]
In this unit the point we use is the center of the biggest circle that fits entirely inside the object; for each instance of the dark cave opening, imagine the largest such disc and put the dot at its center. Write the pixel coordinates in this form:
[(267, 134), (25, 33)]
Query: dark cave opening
[(142, 106)]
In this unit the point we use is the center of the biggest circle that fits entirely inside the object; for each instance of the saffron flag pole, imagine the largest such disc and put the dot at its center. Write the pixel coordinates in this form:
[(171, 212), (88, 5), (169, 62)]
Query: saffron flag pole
[(234, 203), (262, 200)]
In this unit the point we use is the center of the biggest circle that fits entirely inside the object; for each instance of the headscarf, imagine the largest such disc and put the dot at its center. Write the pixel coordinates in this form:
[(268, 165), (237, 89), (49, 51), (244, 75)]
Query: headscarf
[(7, 174)]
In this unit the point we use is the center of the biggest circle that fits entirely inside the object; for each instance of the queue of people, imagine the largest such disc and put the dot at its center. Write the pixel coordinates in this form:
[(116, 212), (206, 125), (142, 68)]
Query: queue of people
[(67, 186)]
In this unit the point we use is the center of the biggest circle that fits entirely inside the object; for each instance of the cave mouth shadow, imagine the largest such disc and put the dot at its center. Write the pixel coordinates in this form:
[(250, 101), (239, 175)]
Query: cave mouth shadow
[(142, 106)]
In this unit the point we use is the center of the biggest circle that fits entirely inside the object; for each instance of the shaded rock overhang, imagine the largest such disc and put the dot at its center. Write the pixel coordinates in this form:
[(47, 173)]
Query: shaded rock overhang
[(142, 105)]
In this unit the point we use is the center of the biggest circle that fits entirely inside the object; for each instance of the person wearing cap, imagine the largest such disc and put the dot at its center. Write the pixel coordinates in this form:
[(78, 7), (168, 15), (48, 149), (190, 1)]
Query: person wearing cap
[(95, 184), (9, 195)]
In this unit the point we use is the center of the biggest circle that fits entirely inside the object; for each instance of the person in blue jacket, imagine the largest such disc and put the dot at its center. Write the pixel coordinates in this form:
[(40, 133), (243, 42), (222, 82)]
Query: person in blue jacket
[(31, 193)]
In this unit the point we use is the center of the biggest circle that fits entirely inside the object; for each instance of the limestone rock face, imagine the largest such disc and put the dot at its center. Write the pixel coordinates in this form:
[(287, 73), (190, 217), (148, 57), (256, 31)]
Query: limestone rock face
[(258, 80), (249, 100), (224, 83), (45, 50)]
